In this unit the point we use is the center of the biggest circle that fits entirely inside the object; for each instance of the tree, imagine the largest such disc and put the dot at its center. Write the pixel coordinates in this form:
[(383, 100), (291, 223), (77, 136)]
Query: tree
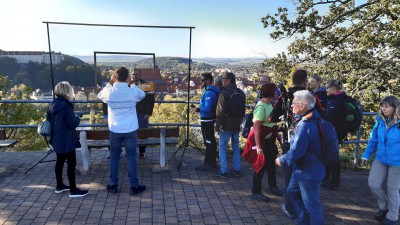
[(357, 42)]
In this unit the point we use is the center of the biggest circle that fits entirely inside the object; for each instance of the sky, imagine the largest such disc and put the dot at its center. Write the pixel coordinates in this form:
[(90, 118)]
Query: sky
[(223, 28)]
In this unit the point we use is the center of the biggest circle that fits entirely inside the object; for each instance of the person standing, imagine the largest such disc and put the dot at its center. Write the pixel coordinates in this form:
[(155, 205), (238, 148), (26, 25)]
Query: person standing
[(231, 108), (144, 109), (305, 154), (123, 125), (64, 138), (265, 144), (335, 113), (384, 140), (208, 104), (315, 82)]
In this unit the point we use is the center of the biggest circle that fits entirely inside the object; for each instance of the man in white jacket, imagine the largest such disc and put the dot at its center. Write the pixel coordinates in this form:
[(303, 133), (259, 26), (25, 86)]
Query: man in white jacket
[(123, 125)]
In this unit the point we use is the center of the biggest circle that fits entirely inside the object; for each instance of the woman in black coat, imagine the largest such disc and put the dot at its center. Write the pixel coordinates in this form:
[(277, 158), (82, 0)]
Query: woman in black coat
[(64, 138)]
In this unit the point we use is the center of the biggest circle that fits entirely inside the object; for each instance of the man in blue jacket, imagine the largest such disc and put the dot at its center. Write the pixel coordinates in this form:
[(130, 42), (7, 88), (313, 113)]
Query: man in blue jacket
[(305, 155), (208, 104)]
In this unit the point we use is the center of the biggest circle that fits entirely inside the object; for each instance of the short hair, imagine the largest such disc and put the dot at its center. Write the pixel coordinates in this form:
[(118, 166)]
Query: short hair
[(335, 83), (317, 77), (208, 76), (299, 77), (231, 77), (268, 90), (123, 74), (64, 89), (393, 102), (306, 98), (218, 80)]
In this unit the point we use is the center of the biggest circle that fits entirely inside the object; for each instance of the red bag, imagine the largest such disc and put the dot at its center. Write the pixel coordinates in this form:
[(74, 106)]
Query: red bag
[(255, 160)]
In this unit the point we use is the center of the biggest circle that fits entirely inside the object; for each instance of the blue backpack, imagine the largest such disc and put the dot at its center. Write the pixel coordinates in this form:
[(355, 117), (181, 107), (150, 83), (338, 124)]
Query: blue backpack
[(247, 123), (329, 141)]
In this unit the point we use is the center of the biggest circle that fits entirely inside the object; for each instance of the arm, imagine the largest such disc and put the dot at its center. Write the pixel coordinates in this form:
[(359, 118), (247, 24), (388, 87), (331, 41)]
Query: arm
[(140, 94), (210, 98), (257, 136), (104, 94), (298, 146), (70, 118), (221, 112), (372, 143), (150, 106)]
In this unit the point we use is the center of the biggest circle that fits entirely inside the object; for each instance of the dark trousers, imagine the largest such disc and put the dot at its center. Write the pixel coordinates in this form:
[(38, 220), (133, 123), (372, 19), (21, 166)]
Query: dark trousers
[(207, 130), (143, 123), (270, 152), (333, 172), (71, 163), (287, 170)]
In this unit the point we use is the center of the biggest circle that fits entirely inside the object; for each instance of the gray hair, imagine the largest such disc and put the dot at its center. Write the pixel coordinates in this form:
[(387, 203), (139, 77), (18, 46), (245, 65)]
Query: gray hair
[(306, 98), (64, 89)]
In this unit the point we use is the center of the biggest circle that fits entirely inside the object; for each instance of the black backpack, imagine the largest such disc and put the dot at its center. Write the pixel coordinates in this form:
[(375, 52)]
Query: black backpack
[(237, 103), (353, 114), (329, 142), (247, 123)]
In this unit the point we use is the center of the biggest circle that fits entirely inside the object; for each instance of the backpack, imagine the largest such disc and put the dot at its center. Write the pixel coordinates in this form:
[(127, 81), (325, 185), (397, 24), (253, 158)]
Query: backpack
[(353, 114), (44, 128), (237, 104), (329, 142), (247, 123)]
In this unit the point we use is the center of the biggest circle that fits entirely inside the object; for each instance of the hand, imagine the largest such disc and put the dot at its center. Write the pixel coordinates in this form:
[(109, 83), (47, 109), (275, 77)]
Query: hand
[(277, 162), (113, 79), (194, 109), (364, 162), (146, 117), (259, 150)]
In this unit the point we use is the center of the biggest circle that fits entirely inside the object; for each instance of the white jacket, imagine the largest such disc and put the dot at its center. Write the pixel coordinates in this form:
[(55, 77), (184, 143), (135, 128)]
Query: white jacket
[(121, 100)]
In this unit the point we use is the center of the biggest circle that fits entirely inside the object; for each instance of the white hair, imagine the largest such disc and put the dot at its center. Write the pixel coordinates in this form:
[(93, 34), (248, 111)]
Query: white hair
[(306, 98)]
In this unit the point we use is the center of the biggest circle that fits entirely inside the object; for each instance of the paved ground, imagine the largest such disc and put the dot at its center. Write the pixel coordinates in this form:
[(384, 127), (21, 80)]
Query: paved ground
[(174, 196)]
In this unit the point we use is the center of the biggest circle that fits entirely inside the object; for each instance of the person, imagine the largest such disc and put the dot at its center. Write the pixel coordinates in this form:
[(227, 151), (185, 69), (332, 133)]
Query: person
[(335, 113), (144, 109), (305, 154), (265, 144), (315, 83), (207, 109), (123, 125), (228, 124), (218, 82), (263, 80), (384, 141), (63, 137)]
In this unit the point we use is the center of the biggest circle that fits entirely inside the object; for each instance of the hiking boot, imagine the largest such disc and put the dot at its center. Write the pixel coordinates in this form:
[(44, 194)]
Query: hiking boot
[(286, 212), (389, 222), (381, 215), (259, 197), (222, 175), (275, 191), (138, 189), (64, 188), (236, 173), (113, 189), (142, 155), (78, 193)]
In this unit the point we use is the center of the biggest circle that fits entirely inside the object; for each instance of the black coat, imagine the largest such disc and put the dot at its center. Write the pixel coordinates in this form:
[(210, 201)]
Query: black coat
[(336, 113), (63, 123)]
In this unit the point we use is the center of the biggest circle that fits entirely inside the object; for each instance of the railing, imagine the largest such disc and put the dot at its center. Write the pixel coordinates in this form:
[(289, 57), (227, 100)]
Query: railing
[(358, 140)]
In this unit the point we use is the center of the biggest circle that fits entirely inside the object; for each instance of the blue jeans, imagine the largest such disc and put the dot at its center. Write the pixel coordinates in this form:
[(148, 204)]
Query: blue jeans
[(305, 198), (224, 137), (116, 141)]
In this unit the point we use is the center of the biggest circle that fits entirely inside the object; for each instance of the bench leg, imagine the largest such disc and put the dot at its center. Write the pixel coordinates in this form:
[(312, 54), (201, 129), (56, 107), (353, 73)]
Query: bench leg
[(163, 152)]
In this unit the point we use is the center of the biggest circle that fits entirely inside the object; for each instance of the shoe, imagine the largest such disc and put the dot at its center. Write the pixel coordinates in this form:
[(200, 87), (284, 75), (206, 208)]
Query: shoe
[(275, 191), (381, 215), (113, 189), (389, 222), (78, 193), (61, 190), (222, 175), (138, 189), (236, 173), (330, 185), (142, 156), (259, 197), (286, 212)]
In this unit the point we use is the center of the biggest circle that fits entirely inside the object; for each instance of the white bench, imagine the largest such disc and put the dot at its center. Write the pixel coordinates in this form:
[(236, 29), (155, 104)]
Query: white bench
[(91, 139), (4, 142)]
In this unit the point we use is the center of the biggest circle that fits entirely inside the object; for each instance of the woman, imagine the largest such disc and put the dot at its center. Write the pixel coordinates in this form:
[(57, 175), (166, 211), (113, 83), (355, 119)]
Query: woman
[(335, 113), (315, 87), (265, 144), (385, 140), (64, 138)]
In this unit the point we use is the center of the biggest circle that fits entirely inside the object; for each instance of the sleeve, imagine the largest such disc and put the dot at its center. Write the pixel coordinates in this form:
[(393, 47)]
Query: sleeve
[(72, 121), (150, 106), (221, 111), (372, 143), (210, 99), (258, 113), (298, 146), (140, 94), (104, 94)]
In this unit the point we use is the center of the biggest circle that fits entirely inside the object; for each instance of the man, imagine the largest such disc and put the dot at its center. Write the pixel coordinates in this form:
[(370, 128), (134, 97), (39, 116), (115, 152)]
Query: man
[(208, 104), (123, 125), (231, 108), (144, 109), (305, 154)]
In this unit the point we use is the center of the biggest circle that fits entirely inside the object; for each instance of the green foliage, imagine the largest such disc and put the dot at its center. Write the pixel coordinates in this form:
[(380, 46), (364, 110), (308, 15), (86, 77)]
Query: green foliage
[(173, 63)]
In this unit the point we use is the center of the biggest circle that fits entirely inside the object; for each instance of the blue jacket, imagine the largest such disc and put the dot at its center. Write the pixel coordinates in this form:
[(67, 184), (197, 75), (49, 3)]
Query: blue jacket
[(63, 123), (305, 149), (208, 103), (385, 141)]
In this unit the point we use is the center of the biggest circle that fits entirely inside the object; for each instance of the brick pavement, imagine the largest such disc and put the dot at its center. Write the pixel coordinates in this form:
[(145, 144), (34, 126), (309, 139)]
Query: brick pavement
[(173, 197)]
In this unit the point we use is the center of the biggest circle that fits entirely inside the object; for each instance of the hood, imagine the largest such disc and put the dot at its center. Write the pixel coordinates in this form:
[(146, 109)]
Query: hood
[(58, 104), (309, 116), (338, 96), (211, 87)]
